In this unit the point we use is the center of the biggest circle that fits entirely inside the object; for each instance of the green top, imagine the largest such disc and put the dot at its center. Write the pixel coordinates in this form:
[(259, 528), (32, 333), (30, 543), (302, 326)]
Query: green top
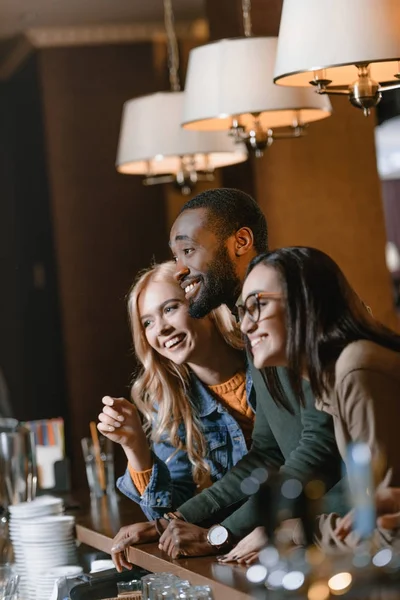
[(301, 445)]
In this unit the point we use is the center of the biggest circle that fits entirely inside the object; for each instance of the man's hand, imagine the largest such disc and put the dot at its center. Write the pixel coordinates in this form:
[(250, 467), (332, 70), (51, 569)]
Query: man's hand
[(138, 533), (185, 539)]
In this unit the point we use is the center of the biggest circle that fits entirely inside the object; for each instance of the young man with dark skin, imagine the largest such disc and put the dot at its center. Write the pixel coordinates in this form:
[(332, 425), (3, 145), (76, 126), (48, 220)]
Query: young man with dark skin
[(213, 240)]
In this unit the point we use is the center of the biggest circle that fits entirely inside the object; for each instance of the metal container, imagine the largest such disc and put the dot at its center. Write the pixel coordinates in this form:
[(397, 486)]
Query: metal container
[(18, 470)]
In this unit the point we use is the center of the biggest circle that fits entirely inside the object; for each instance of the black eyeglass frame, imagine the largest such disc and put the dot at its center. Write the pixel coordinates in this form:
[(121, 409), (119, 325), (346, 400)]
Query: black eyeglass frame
[(243, 310)]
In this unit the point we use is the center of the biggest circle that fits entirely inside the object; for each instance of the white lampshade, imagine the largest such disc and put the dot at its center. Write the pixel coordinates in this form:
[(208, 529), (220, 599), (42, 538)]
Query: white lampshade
[(152, 141), (335, 35), (234, 77)]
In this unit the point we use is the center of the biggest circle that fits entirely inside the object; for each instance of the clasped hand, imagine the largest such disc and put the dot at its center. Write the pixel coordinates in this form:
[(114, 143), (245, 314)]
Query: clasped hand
[(185, 539)]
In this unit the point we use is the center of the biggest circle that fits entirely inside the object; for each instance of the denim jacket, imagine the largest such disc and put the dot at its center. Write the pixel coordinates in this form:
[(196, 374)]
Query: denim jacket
[(171, 481)]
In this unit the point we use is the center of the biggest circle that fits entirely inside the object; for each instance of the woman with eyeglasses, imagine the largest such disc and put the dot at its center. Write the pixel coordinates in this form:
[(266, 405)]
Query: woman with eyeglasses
[(193, 392), (299, 311)]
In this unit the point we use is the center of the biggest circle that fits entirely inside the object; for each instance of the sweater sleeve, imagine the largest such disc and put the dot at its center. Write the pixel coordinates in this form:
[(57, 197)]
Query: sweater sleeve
[(141, 479)]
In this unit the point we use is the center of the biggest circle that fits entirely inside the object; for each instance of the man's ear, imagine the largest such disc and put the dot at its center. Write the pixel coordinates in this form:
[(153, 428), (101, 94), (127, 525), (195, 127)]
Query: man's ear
[(244, 241)]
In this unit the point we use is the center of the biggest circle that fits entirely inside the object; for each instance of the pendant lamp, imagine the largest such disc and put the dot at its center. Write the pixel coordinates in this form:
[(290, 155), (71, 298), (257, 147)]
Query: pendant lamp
[(153, 144), (241, 96), (346, 47)]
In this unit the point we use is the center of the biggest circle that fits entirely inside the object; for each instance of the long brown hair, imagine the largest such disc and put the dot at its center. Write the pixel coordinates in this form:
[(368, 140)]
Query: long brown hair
[(160, 390), (323, 315)]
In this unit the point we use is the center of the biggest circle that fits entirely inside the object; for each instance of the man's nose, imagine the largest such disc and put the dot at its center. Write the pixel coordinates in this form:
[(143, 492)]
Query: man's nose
[(181, 271)]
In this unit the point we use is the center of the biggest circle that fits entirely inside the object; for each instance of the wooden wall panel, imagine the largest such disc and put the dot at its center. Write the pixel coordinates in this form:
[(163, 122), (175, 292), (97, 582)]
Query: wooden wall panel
[(226, 17), (324, 191), (107, 226)]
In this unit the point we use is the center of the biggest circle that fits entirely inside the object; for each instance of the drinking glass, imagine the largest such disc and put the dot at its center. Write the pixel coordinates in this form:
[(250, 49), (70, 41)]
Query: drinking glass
[(200, 592), (99, 462), (8, 582), (177, 591), (129, 589), (155, 584)]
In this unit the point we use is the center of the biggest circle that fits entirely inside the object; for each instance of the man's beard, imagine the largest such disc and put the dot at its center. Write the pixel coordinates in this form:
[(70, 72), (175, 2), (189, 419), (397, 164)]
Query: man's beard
[(221, 285)]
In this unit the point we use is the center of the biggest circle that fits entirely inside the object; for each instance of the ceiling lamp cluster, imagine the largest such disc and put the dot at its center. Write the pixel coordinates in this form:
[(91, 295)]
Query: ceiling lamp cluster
[(346, 47), (152, 142), (325, 47), (229, 86)]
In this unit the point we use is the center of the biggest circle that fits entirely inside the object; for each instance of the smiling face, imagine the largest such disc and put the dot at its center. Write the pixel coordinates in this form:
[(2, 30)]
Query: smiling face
[(205, 264), (268, 336), (166, 323)]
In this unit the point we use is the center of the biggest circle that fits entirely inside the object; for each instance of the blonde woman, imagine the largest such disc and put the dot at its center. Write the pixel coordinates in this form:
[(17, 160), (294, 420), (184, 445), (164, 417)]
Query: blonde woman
[(193, 393)]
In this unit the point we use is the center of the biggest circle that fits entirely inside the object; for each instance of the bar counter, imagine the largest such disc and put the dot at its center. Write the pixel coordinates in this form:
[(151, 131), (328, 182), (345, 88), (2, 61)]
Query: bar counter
[(100, 520)]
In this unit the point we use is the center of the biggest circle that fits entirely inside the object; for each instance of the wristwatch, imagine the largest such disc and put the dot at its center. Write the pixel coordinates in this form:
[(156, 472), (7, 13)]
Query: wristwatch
[(217, 536)]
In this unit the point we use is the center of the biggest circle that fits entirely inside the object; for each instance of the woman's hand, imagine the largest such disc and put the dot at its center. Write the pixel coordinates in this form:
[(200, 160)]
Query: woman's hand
[(120, 422), (247, 550), (387, 501), (388, 508), (344, 525), (138, 533)]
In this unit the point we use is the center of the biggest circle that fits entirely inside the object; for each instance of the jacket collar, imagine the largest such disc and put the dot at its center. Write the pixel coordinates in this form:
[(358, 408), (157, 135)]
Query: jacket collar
[(203, 399)]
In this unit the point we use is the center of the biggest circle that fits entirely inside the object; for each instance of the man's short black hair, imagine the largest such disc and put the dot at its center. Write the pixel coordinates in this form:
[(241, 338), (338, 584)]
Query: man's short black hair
[(229, 210)]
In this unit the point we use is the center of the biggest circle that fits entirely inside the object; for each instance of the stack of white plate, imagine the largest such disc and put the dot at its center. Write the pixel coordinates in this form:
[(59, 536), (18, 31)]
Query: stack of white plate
[(47, 589), (42, 538)]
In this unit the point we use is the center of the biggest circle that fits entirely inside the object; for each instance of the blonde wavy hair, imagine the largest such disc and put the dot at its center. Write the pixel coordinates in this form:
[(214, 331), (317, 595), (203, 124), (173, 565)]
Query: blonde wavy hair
[(161, 387)]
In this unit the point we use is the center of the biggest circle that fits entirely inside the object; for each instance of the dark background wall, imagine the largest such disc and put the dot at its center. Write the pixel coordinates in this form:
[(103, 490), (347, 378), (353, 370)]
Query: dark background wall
[(31, 353), (73, 232)]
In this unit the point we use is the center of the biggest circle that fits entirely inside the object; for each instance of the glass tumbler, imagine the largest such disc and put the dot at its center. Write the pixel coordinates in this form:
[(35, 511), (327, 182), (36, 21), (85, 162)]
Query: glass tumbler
[(99, 462)]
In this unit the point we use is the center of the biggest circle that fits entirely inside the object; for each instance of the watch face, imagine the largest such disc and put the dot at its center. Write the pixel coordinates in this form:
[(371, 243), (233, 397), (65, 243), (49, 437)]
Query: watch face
[(217, 535)]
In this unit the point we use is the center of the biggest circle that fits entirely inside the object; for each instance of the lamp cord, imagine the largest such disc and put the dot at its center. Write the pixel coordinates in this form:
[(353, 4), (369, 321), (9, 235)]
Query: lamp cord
[(172, 45), (247, 26)]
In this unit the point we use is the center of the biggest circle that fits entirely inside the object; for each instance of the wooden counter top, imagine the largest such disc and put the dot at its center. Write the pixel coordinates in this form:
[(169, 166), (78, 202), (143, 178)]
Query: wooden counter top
[(99, 522)]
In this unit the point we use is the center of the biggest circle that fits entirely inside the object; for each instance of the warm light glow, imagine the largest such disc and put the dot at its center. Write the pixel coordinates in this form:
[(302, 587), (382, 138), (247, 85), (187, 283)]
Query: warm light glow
[(340, 583), (314, 556), (232, 80), (315, 489), (328, 38), (318, 591), (152, 141)]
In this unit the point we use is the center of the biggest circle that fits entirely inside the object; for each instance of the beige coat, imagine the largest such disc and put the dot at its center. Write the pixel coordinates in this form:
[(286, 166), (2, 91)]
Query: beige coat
[(365, 406), (365, 403)]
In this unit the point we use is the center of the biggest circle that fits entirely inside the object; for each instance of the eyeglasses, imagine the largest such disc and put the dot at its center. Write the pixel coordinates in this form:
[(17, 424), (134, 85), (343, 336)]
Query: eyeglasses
[(253, 306)]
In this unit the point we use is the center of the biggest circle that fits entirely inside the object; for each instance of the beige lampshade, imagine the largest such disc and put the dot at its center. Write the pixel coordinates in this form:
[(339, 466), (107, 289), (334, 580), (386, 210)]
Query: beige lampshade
[(335, 35), (235, 77), (152, 141)]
